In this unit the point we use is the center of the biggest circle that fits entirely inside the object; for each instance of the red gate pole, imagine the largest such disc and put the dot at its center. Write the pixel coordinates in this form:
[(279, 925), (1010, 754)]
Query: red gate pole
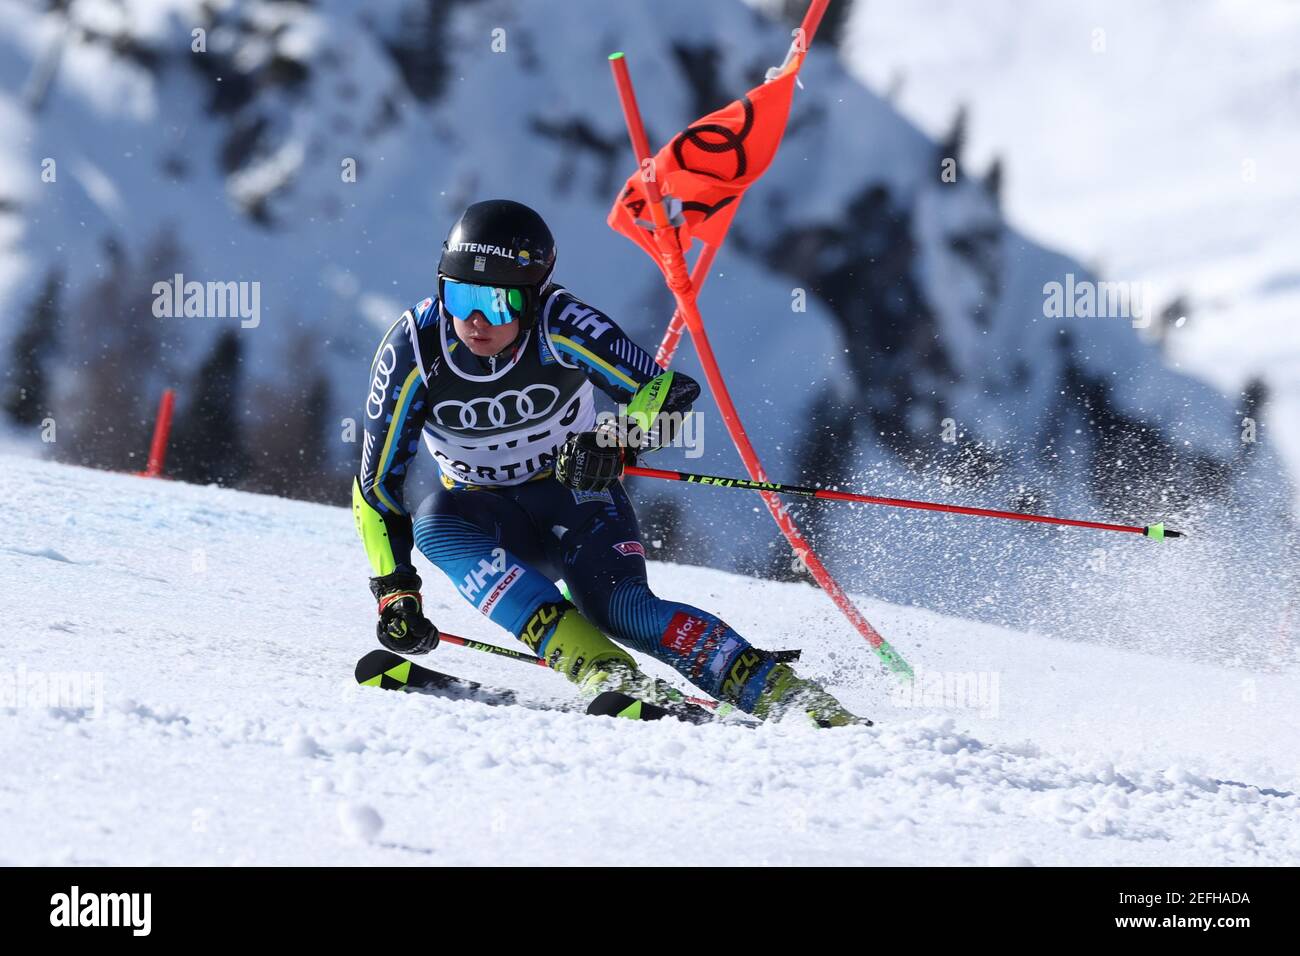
[(677, 324), (812, 19), (161, 430), (679, 281)]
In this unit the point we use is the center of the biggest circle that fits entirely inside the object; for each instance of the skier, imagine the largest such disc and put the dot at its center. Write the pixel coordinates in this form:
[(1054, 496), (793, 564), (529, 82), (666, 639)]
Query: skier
[(496, 372)]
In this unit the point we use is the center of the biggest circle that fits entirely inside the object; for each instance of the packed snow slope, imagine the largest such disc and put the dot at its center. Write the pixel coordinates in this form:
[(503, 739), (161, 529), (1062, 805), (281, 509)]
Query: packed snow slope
[(224, 626)]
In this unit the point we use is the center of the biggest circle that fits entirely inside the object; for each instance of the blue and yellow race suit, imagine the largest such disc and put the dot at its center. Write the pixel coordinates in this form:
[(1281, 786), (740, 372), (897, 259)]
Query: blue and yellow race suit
[(501, 527)]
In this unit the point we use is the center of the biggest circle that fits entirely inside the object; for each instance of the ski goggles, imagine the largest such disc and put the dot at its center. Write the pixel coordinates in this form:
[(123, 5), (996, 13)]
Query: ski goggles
[(500, 305)]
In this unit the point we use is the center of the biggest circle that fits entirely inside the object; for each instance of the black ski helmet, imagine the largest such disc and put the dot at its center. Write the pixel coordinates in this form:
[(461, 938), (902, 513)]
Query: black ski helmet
[(500, 242)]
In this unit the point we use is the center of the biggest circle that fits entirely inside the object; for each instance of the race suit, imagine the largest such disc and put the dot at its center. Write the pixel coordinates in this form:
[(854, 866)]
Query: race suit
[(502, 528)]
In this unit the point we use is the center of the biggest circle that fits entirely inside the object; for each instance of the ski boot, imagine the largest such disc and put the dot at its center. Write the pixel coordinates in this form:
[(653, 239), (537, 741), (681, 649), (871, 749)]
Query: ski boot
[(786, 692), (608, 675), (623, 678), (603, 671), (573, 646)]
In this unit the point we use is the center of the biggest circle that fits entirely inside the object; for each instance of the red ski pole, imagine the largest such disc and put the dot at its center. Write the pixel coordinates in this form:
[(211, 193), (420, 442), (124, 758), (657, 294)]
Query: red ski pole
[(1157, 532)]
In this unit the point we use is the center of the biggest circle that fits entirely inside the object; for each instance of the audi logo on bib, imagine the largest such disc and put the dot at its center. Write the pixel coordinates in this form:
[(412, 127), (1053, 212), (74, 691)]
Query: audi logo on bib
[(506, 409)]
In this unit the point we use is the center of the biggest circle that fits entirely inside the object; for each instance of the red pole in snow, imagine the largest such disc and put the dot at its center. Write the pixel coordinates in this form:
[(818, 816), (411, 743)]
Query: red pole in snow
[(161, 430)]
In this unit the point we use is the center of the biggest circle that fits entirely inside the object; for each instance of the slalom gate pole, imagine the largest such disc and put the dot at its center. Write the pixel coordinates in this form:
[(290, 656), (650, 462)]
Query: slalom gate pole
[(677, 324), (1157, 532), (161, 430), (525, 658), (700, 271), (679, 282)]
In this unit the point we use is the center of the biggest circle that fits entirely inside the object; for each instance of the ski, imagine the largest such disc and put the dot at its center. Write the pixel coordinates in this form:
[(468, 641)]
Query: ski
[(614, 704), (389, 671)]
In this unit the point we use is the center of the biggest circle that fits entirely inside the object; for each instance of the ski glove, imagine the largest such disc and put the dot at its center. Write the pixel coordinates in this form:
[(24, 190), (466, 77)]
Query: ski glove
[(402, 625), (592, 461)]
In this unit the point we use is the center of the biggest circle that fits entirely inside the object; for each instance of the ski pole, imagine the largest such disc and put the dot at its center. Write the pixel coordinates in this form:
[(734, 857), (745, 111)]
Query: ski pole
[(525, 658), (1157, 532), (521, 656)]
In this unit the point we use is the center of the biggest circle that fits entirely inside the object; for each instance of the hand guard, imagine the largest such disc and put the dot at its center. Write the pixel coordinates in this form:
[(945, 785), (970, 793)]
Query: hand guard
[(402, 625), (592, 461)]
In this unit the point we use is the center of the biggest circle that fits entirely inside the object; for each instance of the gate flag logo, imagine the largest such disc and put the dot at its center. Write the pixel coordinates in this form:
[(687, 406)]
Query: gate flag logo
[(709, 165)]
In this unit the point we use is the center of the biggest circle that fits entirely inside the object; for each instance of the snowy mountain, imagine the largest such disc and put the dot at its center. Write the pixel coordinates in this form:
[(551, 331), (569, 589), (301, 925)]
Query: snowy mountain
[(208, 716), (1156, 140), (925, 321)]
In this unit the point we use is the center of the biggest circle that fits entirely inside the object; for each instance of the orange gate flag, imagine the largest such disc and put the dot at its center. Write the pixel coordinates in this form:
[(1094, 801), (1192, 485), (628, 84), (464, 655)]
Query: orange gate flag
[(708, 165)]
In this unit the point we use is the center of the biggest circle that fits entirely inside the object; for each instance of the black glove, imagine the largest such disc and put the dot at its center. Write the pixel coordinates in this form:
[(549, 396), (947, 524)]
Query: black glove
[(592, 461), (402, 625)]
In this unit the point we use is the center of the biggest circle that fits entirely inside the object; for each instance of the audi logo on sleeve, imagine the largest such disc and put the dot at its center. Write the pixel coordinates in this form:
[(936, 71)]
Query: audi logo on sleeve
[(380, 383), (493, 413)]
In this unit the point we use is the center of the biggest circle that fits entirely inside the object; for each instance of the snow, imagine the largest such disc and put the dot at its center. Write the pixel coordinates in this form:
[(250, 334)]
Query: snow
[(207, 638), (360, 821)]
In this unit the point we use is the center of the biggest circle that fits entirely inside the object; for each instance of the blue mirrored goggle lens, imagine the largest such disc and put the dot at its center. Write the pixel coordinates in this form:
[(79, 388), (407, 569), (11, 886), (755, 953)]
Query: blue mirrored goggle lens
[(499, 305)]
